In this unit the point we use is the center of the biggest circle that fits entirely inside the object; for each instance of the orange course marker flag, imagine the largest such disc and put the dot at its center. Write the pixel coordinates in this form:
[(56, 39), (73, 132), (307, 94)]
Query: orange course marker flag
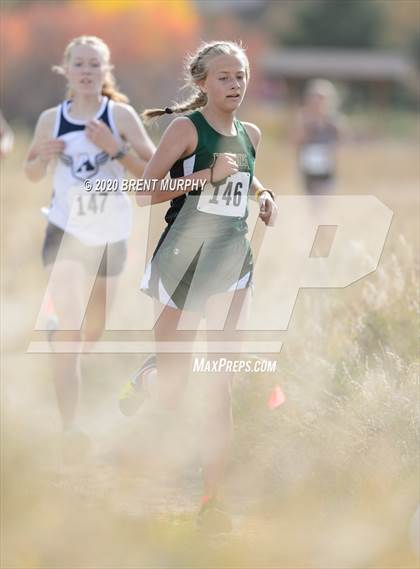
[(277, 398)]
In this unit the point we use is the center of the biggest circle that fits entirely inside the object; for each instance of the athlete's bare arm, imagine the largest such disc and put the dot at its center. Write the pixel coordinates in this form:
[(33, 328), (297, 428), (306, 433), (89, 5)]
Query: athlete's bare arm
[(6, 136), (268, 208), (254, 134), (43, 147), (178, 141), (131, 130)]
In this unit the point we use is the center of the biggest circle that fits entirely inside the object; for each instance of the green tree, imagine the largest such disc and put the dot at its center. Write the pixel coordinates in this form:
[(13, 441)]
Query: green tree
[(338, 23)]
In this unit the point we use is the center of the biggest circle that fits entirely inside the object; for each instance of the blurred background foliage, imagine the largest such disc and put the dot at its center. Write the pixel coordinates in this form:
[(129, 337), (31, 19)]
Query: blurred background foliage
[(329, 23), (149, 39)]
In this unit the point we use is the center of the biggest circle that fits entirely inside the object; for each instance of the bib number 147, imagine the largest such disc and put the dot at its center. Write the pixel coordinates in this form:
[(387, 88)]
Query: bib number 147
[(228, 198), (91, 204)]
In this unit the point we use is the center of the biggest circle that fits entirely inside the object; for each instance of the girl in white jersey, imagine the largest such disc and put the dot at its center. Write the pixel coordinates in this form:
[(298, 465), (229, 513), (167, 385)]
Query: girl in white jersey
[(87, 138)]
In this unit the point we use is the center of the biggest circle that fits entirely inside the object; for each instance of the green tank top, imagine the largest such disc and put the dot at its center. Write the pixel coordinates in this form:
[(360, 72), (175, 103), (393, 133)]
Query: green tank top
[(218, 209)]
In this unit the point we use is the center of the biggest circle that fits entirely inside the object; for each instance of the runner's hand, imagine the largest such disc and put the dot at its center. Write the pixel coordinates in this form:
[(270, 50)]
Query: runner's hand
[(268, 209), (101, 135), (224, 166)]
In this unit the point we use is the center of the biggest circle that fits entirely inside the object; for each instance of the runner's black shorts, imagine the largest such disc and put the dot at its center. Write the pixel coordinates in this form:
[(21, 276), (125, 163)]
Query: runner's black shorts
[(113, 254)]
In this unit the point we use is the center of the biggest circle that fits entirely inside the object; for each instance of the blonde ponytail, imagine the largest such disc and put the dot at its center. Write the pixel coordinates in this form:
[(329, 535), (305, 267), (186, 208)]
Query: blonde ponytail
[(110, 90)]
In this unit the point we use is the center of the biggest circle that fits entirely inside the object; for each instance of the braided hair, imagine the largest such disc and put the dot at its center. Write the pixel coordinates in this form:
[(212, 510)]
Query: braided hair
[(196, 68)]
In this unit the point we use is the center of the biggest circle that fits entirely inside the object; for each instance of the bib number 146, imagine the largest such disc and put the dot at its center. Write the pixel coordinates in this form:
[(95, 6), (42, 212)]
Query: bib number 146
[(228, 198)]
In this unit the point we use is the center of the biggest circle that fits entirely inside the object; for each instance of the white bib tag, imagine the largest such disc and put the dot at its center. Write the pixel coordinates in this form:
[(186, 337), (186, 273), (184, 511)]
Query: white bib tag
[(228, 199), (316, 159), (88, 207)]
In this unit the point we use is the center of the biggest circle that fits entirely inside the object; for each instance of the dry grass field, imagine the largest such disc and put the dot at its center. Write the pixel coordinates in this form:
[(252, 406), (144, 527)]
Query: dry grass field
[(327, 480)]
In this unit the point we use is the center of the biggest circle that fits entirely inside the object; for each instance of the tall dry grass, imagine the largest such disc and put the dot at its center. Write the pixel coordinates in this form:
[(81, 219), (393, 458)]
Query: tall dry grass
[(329, 479)]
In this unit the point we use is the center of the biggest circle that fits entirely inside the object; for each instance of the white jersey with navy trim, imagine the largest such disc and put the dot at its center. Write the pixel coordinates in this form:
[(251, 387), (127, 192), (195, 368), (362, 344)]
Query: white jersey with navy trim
[(94, 218)]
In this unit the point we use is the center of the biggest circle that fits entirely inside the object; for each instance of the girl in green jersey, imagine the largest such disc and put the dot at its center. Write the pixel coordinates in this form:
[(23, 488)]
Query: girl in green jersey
[(202, 264)]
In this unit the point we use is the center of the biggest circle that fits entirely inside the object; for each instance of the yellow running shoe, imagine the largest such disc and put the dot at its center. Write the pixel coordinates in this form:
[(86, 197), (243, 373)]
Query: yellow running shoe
[(135, 391)]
